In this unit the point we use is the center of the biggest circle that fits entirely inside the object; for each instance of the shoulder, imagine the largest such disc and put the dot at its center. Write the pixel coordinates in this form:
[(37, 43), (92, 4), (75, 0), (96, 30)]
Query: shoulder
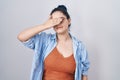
[(46, 37), (79, 43), (75, 39)]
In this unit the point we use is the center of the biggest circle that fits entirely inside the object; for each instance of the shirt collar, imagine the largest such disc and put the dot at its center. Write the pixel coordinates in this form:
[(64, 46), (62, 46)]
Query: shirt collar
[(75, 41)]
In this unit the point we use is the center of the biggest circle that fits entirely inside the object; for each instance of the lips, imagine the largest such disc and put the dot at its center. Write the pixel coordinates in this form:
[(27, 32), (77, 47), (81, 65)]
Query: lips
[(58, 27)]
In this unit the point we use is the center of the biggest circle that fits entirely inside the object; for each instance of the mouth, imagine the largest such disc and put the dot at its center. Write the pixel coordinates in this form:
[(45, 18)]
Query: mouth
[(58, 27)]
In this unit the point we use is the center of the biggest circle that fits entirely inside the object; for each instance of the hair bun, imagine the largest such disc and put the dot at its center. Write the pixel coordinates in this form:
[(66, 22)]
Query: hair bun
[(62, 7)]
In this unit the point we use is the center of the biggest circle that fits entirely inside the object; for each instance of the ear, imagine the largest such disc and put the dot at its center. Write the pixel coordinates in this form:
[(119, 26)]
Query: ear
[(50, 16), (69, 21)]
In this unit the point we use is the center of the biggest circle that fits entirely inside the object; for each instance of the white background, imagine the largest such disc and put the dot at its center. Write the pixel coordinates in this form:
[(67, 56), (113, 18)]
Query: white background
[(95, 22)]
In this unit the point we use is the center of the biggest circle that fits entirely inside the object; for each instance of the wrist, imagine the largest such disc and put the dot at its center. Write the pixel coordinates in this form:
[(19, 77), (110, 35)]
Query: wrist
[(46, 26)]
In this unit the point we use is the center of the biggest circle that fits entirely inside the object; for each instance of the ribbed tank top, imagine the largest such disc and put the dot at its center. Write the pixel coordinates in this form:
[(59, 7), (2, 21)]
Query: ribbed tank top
[(58, 67)]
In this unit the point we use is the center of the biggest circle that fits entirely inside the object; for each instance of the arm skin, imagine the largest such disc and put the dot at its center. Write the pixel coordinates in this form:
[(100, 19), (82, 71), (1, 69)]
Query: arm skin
[(30, 32), (84, 77)]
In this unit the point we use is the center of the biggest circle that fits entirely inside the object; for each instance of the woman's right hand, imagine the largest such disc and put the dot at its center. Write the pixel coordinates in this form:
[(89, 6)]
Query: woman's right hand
[(28, 33), (51, 22)]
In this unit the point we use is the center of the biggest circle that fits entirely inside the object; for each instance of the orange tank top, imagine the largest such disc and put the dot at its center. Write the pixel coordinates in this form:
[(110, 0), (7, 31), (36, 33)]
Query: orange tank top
[(57, 67)]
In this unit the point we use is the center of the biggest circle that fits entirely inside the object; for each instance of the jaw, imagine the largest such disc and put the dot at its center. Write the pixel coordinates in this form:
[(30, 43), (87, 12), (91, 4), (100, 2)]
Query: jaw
[(60, 30)]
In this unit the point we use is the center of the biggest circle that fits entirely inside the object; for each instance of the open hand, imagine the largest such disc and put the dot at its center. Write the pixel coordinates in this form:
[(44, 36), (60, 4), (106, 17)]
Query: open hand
[(51, 22)]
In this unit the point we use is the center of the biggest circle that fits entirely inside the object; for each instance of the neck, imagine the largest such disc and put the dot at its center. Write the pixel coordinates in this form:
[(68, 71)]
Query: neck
[(63, 36)]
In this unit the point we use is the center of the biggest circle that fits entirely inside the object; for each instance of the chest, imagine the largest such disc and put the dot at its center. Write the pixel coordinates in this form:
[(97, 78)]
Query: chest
[(55, 61), (65, 48)]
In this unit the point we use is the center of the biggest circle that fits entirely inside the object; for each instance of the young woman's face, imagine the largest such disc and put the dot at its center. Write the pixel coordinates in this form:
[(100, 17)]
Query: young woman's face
[(63, 26)]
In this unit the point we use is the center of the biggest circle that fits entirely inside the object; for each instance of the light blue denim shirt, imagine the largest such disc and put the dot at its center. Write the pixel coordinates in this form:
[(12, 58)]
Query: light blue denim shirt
[(44, 43)]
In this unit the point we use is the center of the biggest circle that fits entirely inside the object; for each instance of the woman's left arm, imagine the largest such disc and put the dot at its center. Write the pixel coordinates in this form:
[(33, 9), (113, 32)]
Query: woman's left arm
[(84, 77), (85, 62)]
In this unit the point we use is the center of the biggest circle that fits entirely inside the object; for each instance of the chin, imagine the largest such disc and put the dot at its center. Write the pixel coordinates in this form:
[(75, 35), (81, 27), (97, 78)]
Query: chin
[(60, 32)]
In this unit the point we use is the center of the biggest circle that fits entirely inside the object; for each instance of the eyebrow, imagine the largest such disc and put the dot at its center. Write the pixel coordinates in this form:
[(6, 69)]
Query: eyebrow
[(61, 17)]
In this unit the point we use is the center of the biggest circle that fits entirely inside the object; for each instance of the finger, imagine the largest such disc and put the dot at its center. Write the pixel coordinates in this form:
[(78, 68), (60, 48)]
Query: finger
[(60, 20), (57, 21)]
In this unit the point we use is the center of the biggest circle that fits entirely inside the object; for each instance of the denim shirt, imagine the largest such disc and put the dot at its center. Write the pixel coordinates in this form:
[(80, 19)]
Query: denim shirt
[(44, 43)]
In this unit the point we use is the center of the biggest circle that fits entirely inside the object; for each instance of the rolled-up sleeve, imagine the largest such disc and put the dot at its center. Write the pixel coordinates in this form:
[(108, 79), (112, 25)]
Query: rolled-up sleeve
[(84, 59), (38, 38)]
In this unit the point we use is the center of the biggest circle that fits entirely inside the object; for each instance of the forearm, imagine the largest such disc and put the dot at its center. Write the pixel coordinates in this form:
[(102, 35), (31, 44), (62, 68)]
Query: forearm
[(30, 32), (84, 77)]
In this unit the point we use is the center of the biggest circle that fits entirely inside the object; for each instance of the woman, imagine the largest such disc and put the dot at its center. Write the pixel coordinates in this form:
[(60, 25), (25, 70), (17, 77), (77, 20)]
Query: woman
[(58, 56)]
